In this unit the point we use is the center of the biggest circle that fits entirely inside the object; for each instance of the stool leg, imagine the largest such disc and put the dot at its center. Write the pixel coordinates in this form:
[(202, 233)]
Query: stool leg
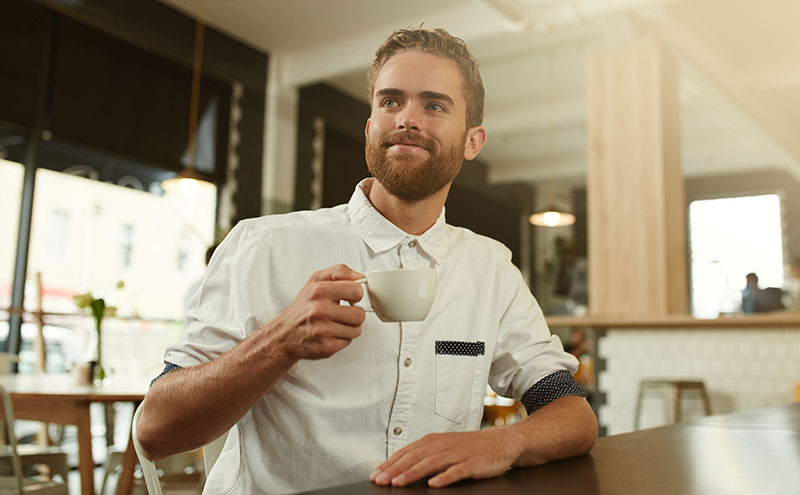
[(706, 401), (676, 397), (638, 415)]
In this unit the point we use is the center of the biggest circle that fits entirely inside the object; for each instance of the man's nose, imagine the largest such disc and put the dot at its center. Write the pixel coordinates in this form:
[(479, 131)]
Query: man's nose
[(409, 119)]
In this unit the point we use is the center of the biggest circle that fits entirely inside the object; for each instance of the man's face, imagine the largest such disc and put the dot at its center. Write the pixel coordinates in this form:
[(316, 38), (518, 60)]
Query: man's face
[(417, 136)]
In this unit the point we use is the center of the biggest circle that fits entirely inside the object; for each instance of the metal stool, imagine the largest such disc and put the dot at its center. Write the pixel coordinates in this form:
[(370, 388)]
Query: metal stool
[(677, 389)]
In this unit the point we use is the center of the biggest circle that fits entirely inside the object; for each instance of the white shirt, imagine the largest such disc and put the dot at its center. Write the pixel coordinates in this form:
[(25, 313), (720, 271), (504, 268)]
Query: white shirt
[(332, 421)]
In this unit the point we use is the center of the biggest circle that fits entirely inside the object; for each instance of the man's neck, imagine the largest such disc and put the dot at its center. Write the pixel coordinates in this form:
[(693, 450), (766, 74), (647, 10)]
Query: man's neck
[(412, 217)]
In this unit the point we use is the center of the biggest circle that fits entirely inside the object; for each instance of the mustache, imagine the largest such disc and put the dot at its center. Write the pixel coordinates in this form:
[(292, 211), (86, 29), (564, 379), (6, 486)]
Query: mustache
[(408, 137)]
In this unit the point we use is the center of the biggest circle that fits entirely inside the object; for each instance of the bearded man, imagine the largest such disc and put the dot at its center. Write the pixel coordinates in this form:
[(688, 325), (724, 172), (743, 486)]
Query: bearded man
[(314, 391)]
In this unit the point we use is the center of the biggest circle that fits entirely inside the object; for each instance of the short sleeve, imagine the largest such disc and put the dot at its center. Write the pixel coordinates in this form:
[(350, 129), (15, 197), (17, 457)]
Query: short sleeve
[(525, 352), (224, 308)]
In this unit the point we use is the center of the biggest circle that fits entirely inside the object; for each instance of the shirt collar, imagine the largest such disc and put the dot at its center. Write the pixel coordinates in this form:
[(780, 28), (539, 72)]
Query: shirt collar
[(382, 235)]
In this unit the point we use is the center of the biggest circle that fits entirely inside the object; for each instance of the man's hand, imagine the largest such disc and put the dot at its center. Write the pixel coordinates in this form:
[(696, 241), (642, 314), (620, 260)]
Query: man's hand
[(565, 427), (455, 456), (315, 325), (189, 407)]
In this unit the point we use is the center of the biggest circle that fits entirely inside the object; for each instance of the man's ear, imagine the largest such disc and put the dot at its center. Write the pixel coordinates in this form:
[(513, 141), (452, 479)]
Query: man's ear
[(476, 138), (366, 129)]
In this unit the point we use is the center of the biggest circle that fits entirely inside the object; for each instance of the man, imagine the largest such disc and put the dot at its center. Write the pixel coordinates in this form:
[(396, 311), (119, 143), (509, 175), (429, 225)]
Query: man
[(316, 392)]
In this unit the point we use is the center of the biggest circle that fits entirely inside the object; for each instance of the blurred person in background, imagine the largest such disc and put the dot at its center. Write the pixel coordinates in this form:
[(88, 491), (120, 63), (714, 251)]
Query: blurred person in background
[(757, 300)]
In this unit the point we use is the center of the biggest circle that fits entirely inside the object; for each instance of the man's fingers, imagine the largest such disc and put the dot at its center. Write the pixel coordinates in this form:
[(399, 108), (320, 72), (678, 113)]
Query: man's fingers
[(352, 316), (336, 291), (454, 473), (424, 467), (409, 465), (334, 273)]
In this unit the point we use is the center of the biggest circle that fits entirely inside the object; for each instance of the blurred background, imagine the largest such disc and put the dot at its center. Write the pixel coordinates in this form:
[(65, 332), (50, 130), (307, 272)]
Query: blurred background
[(101, 101)]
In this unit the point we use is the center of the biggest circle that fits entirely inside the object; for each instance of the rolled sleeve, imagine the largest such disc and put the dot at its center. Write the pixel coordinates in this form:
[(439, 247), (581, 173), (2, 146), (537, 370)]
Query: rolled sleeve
[(526, 352), (553, 386), (168, 367), (224, 309)]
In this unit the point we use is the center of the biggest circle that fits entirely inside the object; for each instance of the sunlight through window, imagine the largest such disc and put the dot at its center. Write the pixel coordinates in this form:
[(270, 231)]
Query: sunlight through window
[(729, 238)]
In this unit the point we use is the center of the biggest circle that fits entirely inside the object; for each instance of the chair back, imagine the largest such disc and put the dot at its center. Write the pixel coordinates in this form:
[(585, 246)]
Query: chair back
[(6, 358), (211, 453), (8, 414)]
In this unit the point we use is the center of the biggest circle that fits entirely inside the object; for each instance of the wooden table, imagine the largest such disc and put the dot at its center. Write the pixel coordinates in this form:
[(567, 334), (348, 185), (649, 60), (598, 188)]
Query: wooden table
[(55, 398), (741, 453)]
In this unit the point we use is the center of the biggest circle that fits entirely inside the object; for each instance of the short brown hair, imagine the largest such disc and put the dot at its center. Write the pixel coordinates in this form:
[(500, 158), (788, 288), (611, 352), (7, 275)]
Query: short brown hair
[(441, 43)]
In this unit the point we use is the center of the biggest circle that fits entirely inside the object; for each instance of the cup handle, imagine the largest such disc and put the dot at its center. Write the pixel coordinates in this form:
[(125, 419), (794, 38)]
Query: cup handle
[(362, 280)]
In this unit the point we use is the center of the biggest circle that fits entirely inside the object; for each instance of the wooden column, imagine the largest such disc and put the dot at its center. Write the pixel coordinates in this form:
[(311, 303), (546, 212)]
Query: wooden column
[(636, 213)]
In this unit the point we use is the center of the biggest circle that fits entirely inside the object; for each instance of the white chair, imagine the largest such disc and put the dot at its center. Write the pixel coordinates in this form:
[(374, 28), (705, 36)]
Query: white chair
[(211, 453), (17, 483), (55, 458)]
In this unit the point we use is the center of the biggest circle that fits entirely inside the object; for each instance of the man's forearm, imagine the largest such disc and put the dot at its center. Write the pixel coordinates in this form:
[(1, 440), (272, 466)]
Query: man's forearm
[(189, 407), (564, 428)]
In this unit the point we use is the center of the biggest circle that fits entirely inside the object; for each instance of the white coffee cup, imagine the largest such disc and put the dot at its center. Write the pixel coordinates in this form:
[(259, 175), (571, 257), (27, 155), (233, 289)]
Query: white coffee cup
[(400, 294)]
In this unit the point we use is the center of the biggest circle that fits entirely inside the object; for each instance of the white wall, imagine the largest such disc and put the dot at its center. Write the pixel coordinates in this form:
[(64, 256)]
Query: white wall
[(742, 369)]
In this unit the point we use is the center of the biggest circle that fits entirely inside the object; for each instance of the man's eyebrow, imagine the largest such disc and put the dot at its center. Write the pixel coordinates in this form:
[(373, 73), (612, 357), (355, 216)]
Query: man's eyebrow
[(390, 91), (434, 95), (428, 95)]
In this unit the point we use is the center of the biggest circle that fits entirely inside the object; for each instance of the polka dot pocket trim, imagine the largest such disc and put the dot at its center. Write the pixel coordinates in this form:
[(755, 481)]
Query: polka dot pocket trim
[(460, 348)]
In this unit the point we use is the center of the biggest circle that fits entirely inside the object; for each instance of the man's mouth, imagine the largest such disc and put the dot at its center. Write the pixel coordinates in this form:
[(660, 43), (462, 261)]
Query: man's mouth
[(403, 143)]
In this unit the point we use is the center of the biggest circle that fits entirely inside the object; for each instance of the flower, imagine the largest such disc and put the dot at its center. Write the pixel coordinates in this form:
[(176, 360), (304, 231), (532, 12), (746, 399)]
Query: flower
[(98, 309), (83, 300)]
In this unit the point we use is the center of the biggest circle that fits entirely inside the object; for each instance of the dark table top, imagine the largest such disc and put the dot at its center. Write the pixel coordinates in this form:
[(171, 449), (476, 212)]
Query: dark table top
[(750, 452)]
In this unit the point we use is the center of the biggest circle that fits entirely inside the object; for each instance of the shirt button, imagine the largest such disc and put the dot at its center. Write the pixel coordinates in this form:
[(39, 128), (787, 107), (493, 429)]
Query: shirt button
[(412, 244), (397, 430), (407, 362)]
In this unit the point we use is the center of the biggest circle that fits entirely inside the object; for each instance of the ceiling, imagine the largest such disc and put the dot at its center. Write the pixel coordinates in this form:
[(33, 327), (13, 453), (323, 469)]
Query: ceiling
[(739, 68)]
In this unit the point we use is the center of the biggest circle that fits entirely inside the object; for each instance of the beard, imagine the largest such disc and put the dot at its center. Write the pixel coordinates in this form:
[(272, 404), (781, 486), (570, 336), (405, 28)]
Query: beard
[(411, 178)]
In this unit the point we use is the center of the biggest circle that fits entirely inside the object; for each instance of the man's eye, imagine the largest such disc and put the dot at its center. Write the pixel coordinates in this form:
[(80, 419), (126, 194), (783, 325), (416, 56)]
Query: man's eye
[(436, 107), (389, 103)]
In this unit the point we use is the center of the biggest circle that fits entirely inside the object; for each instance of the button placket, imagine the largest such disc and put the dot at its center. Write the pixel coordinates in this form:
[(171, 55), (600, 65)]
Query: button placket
[(409, 336)]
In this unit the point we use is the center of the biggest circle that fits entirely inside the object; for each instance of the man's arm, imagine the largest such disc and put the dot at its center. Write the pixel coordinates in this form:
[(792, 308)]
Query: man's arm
[(189, 407), (565, 427)]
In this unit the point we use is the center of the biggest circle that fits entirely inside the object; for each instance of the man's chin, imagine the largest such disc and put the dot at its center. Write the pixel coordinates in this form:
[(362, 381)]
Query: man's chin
[(421, 157)]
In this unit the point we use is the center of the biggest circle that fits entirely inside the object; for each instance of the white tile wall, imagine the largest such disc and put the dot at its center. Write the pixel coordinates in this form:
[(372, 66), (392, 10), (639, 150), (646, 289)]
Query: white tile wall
[(742, 369)]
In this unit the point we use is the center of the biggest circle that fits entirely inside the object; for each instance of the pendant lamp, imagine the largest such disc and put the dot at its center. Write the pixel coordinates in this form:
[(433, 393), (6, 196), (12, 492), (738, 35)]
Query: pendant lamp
[(189, 180), (552, 216)]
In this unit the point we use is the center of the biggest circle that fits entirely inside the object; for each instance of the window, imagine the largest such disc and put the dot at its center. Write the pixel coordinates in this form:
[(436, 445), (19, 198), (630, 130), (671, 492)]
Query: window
[(11, 177), (57, 231), (729, 238), (111, 233), (126, 245), (184, 246)]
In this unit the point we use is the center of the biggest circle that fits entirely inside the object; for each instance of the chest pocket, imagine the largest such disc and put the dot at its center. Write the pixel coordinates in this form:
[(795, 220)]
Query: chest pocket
[(456, 362)]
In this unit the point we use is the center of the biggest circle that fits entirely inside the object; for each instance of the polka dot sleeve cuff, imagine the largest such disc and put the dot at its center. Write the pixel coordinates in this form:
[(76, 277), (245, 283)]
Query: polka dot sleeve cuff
[(552, 387), (169, 367)]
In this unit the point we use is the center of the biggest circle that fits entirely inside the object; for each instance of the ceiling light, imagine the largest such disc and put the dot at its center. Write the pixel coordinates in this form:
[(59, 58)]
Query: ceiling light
[(189, 181), (552, 216)]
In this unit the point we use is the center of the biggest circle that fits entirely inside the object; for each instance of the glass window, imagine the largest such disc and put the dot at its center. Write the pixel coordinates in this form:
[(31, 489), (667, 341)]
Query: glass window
[(729, 238), (58, 229), (111, 233), (126, 246), (11, 178)]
